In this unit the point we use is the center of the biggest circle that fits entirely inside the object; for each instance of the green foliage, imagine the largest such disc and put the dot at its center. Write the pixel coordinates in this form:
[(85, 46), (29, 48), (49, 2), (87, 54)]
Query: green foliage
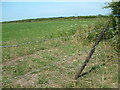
[(115, 7), (97, 27), (110, 33)]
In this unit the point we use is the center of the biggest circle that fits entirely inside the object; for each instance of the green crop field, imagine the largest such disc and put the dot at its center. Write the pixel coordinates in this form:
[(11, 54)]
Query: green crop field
[(53, 63)]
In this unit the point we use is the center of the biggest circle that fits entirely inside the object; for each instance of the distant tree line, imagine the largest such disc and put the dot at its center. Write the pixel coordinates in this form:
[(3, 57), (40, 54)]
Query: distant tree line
[(54, 18)]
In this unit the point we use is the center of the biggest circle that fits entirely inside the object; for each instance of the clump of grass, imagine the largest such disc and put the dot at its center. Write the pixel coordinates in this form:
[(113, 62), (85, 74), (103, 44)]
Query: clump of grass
[(42, 80)]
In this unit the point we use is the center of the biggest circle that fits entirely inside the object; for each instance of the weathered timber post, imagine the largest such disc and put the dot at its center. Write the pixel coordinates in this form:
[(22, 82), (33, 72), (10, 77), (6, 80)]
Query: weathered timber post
[(91, 52)]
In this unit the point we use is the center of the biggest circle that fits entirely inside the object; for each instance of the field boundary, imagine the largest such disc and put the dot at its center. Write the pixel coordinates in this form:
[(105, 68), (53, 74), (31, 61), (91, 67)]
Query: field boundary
[(43, 40)]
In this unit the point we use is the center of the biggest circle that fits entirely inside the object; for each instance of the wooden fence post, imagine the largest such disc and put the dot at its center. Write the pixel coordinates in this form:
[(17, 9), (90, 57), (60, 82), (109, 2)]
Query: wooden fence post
[(91, 52)]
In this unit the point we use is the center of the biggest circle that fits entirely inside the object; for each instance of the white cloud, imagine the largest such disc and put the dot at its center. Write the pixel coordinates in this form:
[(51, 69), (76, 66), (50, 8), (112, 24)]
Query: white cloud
[(56, 0)]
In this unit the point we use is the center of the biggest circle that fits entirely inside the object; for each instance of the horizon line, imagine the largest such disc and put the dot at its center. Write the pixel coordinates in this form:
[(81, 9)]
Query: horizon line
[(50, 17)]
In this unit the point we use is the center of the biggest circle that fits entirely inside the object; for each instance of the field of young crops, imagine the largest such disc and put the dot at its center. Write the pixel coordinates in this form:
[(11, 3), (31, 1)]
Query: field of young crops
[(53, 63)]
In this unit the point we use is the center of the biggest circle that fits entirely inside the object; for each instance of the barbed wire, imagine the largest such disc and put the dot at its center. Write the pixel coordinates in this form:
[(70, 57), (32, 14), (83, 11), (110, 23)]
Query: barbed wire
[(43, 40), (75, 24)]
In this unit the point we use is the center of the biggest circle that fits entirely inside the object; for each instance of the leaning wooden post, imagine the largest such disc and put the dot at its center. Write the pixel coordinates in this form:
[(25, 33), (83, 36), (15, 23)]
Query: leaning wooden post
[(91, 52)]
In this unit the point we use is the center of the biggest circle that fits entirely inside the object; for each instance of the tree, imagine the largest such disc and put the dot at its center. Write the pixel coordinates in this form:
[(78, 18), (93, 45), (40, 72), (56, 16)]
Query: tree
[(115, 14)]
